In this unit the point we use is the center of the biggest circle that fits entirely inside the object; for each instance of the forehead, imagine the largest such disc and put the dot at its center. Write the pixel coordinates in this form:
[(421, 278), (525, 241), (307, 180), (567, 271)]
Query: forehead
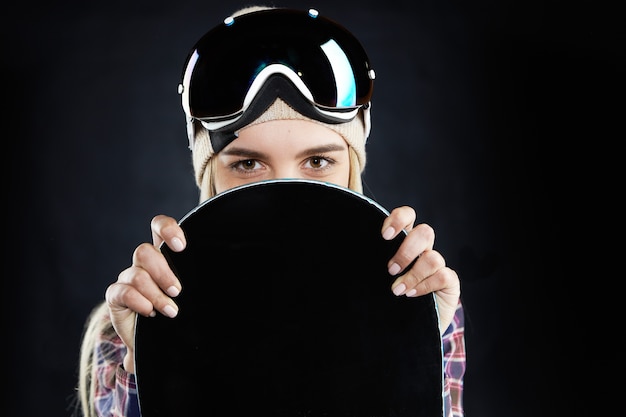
[(288, 132)]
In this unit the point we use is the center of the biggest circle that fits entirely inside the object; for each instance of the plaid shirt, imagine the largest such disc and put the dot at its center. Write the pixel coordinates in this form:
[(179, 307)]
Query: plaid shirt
[(454, 364), (116, 390)]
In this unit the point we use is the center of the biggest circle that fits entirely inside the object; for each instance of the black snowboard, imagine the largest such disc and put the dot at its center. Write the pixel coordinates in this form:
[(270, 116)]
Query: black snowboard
[(287, 310)]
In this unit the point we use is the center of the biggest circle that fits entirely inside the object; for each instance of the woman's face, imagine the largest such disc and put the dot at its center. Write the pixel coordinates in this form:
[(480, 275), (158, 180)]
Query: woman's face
[(281, 149)]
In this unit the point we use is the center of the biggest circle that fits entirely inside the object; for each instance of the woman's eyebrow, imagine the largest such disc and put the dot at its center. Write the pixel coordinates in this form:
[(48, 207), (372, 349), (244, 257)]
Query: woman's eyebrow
[(244, 153), (321, 149)]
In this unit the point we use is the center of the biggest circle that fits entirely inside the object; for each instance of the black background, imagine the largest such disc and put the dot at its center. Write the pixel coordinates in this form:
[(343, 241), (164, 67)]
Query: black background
[(492, 119)]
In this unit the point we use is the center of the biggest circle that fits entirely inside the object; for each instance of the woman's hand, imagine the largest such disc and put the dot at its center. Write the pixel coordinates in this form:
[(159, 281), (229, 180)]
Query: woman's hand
[(429, 273), (147, 285)]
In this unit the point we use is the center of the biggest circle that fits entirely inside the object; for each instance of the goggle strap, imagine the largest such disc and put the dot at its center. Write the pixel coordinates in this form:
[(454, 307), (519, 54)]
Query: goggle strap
[(367, 119)]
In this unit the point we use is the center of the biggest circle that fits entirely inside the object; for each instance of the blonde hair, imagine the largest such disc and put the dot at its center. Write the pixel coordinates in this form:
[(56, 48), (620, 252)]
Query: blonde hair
[(96, 325)]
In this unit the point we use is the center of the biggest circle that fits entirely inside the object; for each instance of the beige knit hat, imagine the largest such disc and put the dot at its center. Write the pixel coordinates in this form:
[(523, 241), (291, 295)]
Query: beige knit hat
[(354, 132)]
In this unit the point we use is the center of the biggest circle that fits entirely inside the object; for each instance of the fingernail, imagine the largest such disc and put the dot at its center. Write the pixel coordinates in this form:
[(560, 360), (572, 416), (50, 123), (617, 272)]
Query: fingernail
[(177, 244), (170, 311), (388, 233), (411, 292), (172, 291), (394, 269), (399, 289)]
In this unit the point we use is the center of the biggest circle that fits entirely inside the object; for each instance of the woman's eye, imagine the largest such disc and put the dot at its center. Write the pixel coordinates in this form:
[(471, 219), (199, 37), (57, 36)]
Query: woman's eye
[(317, 162), (246, 165)]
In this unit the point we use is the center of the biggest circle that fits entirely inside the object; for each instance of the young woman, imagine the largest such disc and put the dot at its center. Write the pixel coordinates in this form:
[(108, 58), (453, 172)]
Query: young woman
[(290, 103)]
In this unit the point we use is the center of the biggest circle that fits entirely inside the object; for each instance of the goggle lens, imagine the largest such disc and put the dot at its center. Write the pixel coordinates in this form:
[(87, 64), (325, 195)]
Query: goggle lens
[(329, 61)]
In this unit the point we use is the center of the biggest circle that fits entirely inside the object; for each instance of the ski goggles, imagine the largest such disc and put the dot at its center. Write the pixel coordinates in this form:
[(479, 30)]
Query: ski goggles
[(231, 63)]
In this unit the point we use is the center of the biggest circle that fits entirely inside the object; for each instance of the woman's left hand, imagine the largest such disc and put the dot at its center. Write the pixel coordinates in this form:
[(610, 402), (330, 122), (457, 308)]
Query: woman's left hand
[(429, 273)]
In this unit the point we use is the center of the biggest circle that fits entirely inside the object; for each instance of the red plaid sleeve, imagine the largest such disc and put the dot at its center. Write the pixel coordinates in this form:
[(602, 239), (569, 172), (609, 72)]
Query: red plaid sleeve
[(454, 364), (115, 391)]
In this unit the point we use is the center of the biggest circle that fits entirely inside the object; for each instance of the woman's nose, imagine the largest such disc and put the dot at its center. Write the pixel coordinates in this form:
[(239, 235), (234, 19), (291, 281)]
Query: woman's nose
[(287, 173)]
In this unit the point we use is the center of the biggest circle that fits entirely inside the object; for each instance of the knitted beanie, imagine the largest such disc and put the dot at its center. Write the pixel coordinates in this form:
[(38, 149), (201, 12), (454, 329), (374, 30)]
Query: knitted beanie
[(354, 133)]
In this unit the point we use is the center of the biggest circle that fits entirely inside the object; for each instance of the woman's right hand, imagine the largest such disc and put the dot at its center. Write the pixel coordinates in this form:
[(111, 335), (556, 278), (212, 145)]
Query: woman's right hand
[(147, 286)]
